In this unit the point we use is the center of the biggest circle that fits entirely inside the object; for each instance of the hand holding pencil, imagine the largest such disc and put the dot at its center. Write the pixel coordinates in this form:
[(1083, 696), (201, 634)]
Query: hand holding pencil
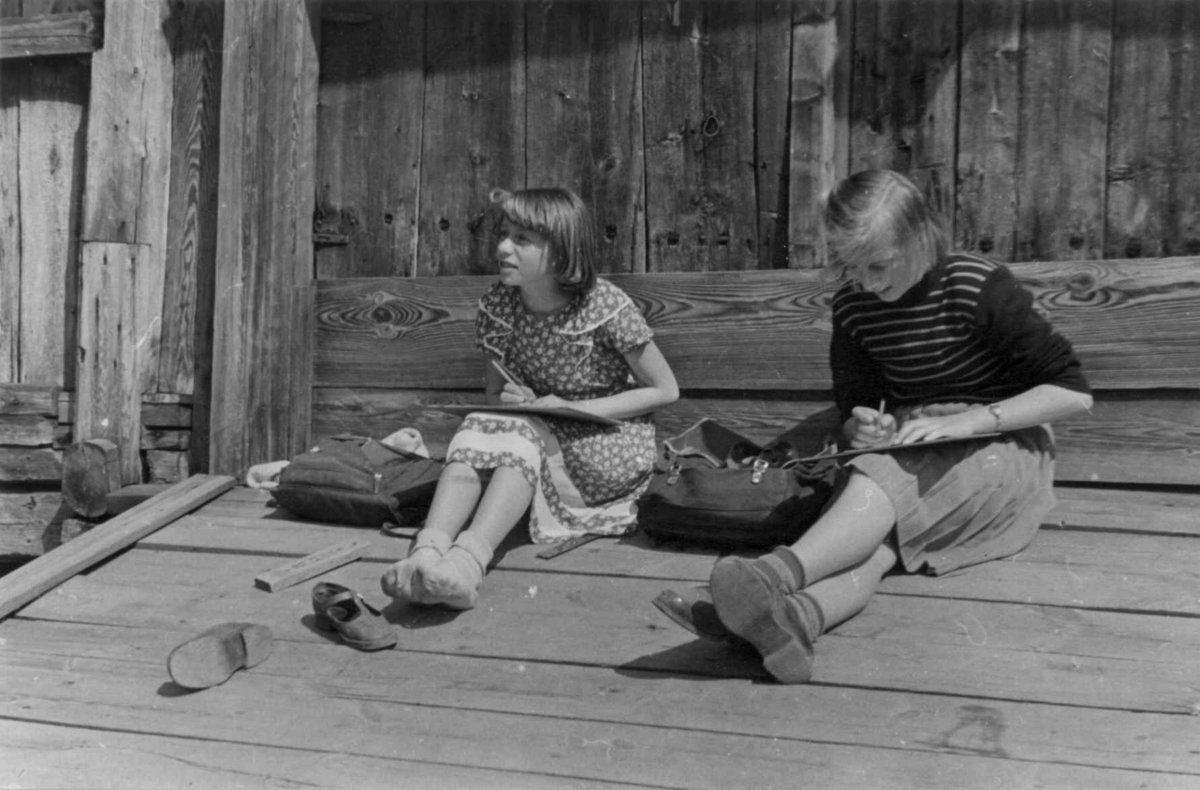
[(514, 390), (872, 427)]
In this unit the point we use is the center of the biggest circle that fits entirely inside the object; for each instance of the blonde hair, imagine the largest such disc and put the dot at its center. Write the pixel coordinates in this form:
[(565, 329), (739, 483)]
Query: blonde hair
[(559, 215), (874, 215)]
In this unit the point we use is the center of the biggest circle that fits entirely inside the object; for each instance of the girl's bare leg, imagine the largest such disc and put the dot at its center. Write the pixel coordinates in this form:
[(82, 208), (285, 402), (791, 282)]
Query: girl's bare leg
[(454, 500), (454, 580), (848, 532)]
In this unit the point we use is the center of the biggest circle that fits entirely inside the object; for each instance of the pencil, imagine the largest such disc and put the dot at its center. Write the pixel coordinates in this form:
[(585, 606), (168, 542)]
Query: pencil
[(507, 374)]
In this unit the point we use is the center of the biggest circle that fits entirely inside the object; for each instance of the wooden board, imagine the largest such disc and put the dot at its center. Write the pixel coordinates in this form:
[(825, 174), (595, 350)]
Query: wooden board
[(584, 86), (1131, 322), (571, 719), (815, 128), (985, 220), (10, 216), (50, 34), (108, 397), (1061, 180), (369, 127), (311, 565), (1154, 163), (52, 156), (261, 373), (190, 258), (1073, 566), (473, 133), (936, 646), (31, 580), (699, 136)]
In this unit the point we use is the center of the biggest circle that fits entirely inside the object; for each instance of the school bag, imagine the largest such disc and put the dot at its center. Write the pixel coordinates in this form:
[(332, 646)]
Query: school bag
[(349, 479), (715, 488)]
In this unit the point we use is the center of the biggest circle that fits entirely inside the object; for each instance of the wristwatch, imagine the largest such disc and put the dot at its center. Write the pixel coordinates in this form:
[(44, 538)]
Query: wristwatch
[(994, 408)]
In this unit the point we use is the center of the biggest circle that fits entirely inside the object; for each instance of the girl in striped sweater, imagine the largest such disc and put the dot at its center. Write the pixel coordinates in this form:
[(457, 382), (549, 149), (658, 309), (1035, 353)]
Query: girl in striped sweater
[(954, 347)]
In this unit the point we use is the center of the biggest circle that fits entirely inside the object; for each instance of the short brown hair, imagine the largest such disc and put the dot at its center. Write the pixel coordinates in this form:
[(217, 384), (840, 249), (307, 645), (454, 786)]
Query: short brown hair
[(558, 214)]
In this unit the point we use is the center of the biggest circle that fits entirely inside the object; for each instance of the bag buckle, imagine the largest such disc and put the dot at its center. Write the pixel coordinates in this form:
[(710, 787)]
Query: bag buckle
[(760, 468), (673, 474)]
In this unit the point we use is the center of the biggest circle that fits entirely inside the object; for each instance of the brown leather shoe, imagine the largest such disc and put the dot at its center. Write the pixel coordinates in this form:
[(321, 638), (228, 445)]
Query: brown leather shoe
[(345, 612), (694, 611), (211, 658)]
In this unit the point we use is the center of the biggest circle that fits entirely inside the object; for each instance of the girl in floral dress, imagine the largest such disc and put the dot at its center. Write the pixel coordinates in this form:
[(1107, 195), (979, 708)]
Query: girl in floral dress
[(571, 339)]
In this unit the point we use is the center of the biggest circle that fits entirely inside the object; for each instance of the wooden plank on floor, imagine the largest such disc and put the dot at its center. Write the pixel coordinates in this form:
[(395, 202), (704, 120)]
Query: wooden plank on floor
[(31, 580), (864, 716), (1104, 570), (64, 757), (1175, 512), (579, 722), (1062, 655)]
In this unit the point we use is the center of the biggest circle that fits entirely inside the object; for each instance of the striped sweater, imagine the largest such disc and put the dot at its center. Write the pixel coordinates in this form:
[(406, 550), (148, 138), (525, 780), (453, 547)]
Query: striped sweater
[(966, 333)]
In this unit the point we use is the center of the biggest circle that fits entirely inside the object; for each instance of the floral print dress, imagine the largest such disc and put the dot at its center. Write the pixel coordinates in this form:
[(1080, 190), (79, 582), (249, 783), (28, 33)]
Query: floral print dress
[(586, 476)]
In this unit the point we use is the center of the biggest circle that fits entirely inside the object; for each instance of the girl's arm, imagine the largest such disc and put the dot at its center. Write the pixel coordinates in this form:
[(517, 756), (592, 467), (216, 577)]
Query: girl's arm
[(1043, 403), (649, 367)]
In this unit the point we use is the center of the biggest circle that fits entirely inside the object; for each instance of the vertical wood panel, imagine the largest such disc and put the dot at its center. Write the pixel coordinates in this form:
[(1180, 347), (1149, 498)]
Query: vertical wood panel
[(1154, 161), (815, 125), (584, 104), (192, 210), (931, 120), (701, 202), (905, 92), (989, 113), (128, 156), (772, 143), (877, 47), (369, 119), (1065, 65), (261, 373), (10, 220), (474, 132), (107, 351), (51, 151)]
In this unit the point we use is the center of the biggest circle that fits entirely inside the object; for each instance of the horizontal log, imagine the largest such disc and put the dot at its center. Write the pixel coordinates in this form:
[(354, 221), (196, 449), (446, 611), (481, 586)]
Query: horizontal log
[(30, 464), (28, 399), (1133, 324), (1129, 437), (28, 430), (49, 34), (166, 439)]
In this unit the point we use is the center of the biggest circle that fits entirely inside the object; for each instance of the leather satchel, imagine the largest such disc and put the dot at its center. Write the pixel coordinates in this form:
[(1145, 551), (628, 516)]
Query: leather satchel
[(714, 487), (356, 480)]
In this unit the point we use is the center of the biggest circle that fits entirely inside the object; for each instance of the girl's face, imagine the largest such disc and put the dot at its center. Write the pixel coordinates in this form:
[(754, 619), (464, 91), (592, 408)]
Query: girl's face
[(887, 278), (523, 254)]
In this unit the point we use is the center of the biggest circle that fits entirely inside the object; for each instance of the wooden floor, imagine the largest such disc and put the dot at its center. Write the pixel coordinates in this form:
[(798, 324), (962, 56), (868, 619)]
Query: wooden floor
[(1074, 665)]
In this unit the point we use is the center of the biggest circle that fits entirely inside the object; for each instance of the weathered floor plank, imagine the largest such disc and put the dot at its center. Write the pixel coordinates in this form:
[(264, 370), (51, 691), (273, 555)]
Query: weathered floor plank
[(1018, 651), (78, 667), (90, 758), (1070, 665), (361, 717), (1103, 570)]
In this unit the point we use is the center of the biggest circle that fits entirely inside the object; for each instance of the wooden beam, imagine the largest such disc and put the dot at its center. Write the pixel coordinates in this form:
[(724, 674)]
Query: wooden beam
[(108, 402), (34, 578), (50, 34), (262, 339), (125, 199)]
